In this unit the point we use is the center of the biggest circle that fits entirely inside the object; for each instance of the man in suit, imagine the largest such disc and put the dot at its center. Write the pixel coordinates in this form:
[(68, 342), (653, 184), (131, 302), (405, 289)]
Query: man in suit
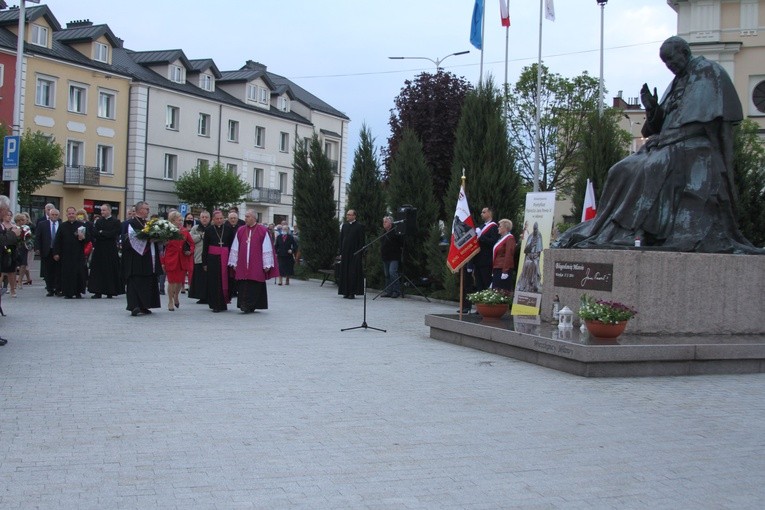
[(487, 236), (44, 236)]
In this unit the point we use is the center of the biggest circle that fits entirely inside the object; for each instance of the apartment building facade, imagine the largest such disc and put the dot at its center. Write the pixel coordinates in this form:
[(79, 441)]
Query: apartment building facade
[(170, 114), (732, 33)]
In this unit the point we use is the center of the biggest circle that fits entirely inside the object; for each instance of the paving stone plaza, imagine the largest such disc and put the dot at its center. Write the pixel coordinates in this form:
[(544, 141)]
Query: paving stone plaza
[(280, 409)]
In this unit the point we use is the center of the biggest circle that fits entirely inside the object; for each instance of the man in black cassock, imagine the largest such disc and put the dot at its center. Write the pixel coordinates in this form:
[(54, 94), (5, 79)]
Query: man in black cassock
[(140, 259), (105, 275), (69, 251), (351, 266), (215, 252)]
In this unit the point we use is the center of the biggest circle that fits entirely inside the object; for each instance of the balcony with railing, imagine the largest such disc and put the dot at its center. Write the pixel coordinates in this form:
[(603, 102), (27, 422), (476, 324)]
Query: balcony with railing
[(266, 195), (81, 175)]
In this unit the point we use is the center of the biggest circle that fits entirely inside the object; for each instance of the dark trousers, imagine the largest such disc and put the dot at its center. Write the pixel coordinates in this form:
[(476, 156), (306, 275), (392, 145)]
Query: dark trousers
[(52, 271), (482, 277)]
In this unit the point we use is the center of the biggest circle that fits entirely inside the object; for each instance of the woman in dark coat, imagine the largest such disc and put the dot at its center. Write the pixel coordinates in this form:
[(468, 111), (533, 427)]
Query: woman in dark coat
[(286, 246)]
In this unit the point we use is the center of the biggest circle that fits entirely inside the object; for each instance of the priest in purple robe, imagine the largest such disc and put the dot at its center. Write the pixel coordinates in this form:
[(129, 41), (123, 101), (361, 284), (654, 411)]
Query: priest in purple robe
[(252, 257)]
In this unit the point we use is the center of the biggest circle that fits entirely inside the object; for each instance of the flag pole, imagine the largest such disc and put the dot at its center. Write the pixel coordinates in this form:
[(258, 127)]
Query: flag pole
[(483, 31), (507, 51), (538, 105), (462, 269)]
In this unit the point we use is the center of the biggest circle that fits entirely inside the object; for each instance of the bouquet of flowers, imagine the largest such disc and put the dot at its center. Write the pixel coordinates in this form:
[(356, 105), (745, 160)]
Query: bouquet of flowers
[(27, 238), (159, 230), (608, 312)]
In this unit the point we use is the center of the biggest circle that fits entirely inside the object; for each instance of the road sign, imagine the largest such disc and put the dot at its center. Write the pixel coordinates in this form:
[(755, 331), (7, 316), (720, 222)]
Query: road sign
[(183, 209), (11, 146)]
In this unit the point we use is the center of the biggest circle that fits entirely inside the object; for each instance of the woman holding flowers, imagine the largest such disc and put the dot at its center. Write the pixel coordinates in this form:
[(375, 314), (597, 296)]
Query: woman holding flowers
[(25, 244), (8, 260), (178, 260)]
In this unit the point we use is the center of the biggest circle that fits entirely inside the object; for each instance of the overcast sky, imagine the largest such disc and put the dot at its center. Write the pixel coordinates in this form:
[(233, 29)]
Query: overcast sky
[(339, 49)]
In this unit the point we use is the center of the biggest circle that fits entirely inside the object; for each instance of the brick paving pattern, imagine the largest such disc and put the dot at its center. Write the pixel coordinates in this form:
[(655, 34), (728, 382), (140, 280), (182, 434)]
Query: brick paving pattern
[(279, 409)]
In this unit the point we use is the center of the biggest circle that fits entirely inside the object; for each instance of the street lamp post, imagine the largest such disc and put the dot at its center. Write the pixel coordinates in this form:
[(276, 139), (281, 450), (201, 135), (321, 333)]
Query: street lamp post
[(602, 4), (436, 61)]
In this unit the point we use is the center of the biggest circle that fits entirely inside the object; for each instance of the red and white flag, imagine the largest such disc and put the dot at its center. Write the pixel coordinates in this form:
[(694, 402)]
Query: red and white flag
[(588, 208), (504, 13), (464, 240)]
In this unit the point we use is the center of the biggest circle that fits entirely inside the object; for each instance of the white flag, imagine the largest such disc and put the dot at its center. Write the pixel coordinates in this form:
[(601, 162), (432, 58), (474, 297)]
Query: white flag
[(588, 208), (549, 10)]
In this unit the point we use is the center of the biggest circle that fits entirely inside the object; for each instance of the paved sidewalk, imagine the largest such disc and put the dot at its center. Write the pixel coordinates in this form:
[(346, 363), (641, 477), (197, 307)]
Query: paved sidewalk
[(279, 409)]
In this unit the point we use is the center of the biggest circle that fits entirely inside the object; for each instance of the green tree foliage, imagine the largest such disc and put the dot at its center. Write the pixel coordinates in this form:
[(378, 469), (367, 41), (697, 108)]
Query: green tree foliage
[(602, 143), (482, 149), (565, 104), (749, 172), (430, 105), (411, 184), (211, 187), (39, 159), (365, 196), (314, 205), (365, 193)]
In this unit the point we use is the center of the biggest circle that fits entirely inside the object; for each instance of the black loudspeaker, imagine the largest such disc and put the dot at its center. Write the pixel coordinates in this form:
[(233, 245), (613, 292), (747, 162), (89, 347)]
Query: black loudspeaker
[(406, 220)]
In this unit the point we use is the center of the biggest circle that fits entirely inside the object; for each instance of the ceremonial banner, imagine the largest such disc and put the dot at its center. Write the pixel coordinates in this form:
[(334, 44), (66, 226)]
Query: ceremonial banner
[(588, 207), (537, 227), (464, 240)]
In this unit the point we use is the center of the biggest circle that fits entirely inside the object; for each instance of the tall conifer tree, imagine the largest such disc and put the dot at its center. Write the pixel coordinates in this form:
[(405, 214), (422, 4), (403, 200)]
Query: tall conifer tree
[(314, 205), (411, 184)]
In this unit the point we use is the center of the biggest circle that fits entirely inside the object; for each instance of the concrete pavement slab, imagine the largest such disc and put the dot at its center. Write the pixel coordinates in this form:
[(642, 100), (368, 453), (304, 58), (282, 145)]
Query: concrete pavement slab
[(279, 409)]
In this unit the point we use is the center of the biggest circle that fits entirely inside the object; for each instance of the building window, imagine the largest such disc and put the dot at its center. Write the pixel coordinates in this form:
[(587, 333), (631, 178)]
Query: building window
[(2, 74), (284, 142), (106, 104), (203, 127), (176, 74), (262, 95), (74, 153), (758, 97), (105, 158), (258, 177), (39, 36), (328, 150), (260, 136), (78, 98), (171, 166), (101, 52), (231, 168), (252, 93), (203, 163), (283, 182), (284, 104), (172, 117), (206, 82), (233, 131), (46, 92)]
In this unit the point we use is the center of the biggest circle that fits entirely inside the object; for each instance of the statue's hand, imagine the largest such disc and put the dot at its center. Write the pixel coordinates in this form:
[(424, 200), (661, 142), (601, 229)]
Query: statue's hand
[(649, 100)]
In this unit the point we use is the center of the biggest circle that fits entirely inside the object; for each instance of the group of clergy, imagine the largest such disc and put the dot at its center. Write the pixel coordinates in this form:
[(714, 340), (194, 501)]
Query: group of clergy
[(237, 257)]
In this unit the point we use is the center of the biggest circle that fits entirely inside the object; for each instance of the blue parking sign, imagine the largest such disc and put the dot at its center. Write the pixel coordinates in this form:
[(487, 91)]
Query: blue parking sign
[(11, 146), (183, 209)]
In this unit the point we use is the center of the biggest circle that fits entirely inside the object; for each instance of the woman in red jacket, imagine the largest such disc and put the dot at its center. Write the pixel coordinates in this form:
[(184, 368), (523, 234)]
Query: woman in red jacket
[(177, 261), (503, 266)]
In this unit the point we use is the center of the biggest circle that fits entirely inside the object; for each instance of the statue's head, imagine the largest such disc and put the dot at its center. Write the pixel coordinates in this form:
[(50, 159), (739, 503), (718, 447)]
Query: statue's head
[(675, 53)]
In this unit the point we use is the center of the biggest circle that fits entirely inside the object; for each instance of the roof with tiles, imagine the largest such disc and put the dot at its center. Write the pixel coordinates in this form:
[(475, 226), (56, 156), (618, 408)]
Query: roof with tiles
[(203, 64), (11, 16), (86, 32)]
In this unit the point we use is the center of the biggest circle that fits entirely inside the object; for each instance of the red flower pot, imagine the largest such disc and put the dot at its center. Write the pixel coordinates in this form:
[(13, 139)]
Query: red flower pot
[(491, 311), (602, 330)]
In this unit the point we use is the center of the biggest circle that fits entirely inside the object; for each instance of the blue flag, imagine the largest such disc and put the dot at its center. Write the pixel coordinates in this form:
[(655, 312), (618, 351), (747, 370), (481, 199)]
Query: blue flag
[(476, 25)]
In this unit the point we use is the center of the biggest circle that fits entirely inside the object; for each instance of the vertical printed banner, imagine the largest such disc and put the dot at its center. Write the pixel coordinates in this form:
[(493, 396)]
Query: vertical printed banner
[(537, 226), (464, 240)]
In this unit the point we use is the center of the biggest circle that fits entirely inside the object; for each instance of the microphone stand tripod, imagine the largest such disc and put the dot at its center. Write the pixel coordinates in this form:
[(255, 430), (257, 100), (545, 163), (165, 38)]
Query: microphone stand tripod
[(361, 250)]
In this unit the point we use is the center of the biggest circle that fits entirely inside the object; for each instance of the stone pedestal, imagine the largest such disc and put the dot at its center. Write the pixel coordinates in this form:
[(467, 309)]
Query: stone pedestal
[(674, 293)]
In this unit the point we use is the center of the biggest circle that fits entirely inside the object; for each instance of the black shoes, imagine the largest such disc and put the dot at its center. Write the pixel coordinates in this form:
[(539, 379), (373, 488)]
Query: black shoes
[(50, 294), (96, 296), (3, 341), (135, 312), (349, 297)]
